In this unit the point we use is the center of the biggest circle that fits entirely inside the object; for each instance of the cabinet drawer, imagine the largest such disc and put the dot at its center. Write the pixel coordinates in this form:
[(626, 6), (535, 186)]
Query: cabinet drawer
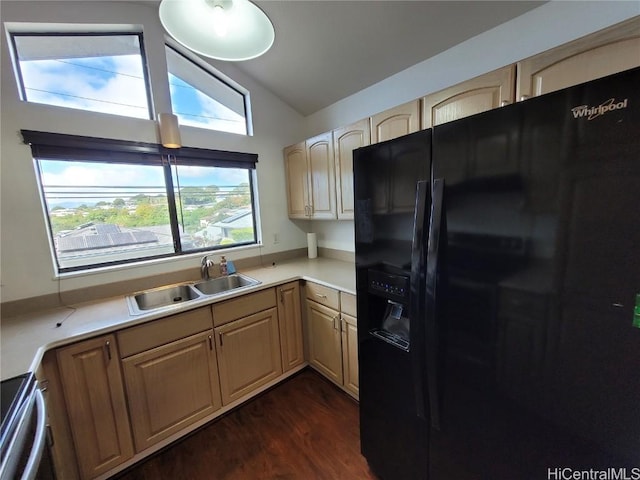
[(165, 330), (348, 304), (323, 295), (230, 310)]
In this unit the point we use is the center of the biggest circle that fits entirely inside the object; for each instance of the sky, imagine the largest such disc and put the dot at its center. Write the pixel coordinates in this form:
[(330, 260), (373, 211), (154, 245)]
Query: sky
[(114, 84), (123, 181)]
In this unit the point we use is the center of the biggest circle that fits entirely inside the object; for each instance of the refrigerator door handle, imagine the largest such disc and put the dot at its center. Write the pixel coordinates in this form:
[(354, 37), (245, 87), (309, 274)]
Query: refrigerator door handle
[(435, 249), (416, 297)]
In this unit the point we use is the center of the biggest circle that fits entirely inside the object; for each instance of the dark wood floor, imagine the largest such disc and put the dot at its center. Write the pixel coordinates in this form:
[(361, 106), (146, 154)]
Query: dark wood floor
[(305, 428)]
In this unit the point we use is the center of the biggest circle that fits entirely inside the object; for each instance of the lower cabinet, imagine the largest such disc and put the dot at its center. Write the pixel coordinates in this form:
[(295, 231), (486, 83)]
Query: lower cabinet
[(332, 335), (325, 340), (91, 377), (170, 387), (248, 346), (170, 373), (349, 343), (290, 320), (118, 395)]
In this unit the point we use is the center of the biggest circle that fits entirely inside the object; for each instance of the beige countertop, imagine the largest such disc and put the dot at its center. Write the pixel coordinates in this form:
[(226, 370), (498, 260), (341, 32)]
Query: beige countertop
[(25, 338)]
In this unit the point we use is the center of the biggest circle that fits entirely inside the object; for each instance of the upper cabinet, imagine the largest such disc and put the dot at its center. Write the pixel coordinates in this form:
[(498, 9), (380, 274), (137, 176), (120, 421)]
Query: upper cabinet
[(604, 53), (488, 91), (320, 170), (311, 184), (296, 171), (395, 122), (345, 141), (322, 182)]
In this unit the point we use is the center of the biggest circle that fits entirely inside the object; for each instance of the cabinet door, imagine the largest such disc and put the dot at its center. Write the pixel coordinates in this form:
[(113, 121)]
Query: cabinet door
[(248, 354), (297, 175), (171, 387), (322, 182), (325, 352), (94, 394), (477, 95), (395, 122), (290, 320), (345, 141), (350, 353), (605, 53)]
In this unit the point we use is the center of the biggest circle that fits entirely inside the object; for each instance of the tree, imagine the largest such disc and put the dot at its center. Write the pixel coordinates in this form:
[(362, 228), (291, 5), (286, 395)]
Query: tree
[(140, 198), (199, 195), (118, 203)]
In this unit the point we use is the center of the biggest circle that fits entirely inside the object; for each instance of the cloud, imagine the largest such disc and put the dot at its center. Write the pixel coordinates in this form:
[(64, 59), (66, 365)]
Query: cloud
[(112, 85)]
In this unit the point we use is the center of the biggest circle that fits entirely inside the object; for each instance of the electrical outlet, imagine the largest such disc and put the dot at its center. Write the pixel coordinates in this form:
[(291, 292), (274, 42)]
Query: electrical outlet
[(276, 238)]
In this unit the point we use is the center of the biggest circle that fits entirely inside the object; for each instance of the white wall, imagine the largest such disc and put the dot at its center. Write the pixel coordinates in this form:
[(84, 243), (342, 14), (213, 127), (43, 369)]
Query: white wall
[(546, 27), (25, 261), (25, 258)]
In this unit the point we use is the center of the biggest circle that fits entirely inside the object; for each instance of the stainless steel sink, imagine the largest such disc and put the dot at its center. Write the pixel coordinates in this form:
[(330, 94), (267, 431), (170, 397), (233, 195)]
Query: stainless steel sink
[(219, 285), (169, 296), (162, 297)]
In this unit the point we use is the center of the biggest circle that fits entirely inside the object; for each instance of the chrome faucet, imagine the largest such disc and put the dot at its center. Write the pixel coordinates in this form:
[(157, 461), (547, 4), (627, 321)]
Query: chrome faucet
[(205, 263)]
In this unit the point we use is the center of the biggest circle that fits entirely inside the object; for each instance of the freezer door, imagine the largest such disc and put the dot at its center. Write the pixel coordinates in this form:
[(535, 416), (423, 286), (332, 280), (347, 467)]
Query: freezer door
[(537, 341)]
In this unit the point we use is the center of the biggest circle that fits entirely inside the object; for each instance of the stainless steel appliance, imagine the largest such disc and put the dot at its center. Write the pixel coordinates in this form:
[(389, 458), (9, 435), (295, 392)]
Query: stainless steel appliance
[(23, 448), (497, 270)]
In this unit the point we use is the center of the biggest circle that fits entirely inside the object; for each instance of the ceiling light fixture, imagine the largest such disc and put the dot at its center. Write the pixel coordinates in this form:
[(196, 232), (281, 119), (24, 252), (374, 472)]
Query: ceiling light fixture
[(231, 30)]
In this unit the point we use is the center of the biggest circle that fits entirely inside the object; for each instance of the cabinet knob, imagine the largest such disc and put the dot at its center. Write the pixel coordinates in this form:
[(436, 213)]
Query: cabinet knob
[(504, 103)]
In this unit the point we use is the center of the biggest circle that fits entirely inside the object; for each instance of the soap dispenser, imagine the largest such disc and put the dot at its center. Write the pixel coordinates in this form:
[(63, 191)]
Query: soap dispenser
[(223, 266)]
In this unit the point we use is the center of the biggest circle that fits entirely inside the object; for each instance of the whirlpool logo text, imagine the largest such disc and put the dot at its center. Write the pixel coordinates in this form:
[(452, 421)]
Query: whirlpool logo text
[(585, 111)]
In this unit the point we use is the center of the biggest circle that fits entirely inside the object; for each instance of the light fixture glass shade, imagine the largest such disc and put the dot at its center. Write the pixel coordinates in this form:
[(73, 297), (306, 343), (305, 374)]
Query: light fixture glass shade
[(169, 130), (231, 30)]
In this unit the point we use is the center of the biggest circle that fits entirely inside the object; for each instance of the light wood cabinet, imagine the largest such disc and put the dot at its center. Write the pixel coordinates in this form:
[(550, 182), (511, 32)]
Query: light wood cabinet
[(248, 354), (325, 340), (486, 92), (345, 141), (171, 387), (91, 379), (332, 335), (322, 180), (349, 325), (395, 122), (312, 190), (290, 322), (297, 175), (311, 183), (604, 53)]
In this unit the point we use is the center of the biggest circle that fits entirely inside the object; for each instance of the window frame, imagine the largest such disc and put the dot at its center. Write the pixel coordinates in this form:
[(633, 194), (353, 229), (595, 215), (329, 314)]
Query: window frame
[(218, 76), (88, 33), (63, 147)]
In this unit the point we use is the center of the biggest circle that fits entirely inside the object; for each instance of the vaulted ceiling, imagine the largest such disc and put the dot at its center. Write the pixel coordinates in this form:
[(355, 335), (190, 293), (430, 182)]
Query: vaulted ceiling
[(327, 50)]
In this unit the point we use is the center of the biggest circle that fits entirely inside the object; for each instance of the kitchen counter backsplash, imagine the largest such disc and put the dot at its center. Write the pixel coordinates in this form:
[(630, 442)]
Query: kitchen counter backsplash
[(26, 337)]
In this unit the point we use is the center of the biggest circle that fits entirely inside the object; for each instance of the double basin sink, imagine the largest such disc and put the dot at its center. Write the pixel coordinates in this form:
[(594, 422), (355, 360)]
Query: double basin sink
[(172, 295)]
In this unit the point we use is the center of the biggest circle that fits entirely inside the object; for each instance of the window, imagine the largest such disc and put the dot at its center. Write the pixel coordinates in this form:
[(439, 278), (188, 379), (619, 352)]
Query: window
[(99, 72), (110, 202), (201, 99)]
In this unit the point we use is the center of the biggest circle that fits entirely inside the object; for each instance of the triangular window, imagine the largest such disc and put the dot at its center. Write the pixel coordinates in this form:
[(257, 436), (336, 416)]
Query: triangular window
[(201, 99)]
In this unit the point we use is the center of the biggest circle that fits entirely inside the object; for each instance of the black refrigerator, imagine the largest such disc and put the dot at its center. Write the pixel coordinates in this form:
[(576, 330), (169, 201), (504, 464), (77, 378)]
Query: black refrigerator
[(498, 291)]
